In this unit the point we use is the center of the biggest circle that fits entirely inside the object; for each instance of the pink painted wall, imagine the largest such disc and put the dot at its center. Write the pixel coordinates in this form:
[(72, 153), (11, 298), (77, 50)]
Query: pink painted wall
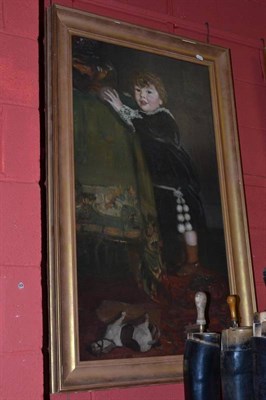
[(238, 25)]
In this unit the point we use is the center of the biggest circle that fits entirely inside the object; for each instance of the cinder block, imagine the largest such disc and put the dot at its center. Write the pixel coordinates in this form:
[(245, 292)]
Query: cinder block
[(247, 63), (261, 298), (229, 17), (19, 68), (61, 396), (21, 143), (169, 392), (242, 18), (253, 149), (20, 224), (21, 376), (21, 17), (250, 103), (135, 15), (256, 207), (80, 396), (258, 251), (160, 6), (21, 311)]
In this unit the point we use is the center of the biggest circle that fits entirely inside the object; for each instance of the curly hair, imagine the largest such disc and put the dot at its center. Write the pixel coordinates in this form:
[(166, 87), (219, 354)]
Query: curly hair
[(143, 78)]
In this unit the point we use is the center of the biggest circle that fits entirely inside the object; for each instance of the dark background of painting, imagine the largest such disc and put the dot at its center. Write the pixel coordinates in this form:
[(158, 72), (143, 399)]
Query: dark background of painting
[(105, 266), (189, 99)]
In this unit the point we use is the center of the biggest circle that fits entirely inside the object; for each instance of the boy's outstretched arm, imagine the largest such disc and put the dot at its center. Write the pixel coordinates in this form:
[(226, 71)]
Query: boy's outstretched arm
[(112, 97)]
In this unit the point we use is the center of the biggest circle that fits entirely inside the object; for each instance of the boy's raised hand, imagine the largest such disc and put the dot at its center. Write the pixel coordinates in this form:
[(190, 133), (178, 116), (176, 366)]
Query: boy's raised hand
[(112, 97)]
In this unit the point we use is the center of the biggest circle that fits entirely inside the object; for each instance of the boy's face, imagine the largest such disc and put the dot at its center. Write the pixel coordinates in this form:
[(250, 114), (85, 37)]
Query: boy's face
[(147, 98)]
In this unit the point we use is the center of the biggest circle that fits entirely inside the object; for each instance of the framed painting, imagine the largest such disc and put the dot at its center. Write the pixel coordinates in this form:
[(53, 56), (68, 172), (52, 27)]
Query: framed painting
[(145, 199)]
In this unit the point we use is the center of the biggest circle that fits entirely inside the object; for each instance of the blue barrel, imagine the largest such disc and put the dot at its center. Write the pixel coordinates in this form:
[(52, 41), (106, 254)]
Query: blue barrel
[(237, 364), (259, 367), (202, 366)]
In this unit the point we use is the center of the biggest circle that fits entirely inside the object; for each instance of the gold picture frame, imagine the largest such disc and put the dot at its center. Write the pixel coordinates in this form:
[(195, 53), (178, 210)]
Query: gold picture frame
[(70, 371)]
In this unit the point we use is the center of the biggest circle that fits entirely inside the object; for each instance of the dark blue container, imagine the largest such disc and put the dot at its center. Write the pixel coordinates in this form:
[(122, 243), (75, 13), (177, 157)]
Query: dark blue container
[(259, 367), (202, 367), (237, 364)]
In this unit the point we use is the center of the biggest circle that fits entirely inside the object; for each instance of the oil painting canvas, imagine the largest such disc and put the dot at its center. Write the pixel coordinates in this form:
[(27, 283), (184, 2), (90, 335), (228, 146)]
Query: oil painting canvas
[(148, 208)]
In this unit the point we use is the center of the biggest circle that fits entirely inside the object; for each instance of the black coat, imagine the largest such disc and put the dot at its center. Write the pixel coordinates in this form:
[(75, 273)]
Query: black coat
[(167, 161)]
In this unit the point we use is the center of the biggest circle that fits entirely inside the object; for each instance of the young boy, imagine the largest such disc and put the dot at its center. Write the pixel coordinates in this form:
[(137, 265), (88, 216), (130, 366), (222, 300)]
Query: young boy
[(176, 186)]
